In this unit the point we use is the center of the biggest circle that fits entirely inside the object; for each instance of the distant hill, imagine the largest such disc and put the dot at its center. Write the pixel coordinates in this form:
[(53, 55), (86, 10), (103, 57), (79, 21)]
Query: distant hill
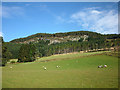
[(57, 37), (64, 37)]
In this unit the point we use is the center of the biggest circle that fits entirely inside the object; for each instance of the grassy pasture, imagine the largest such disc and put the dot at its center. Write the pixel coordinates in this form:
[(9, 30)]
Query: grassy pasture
[(75, 72)]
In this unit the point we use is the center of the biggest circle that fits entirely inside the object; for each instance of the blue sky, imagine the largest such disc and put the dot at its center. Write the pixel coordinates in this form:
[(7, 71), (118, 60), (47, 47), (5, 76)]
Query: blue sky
[(22, 19)]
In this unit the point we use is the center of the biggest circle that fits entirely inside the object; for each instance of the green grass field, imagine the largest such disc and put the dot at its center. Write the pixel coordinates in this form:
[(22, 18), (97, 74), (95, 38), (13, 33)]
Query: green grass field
[(76, 71)]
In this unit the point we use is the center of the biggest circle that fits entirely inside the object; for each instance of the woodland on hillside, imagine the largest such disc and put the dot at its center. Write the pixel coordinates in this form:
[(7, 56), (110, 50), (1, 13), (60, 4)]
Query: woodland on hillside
[(27, 52)]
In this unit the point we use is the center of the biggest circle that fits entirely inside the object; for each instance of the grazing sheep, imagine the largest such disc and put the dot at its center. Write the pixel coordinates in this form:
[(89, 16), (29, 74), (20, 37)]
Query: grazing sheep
[(100, 66), (57, 66), (45, 68), (105, 66), (10, 67)]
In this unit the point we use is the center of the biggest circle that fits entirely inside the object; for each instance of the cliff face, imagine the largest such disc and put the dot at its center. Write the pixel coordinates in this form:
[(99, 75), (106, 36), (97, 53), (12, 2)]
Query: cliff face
[(56, 39)]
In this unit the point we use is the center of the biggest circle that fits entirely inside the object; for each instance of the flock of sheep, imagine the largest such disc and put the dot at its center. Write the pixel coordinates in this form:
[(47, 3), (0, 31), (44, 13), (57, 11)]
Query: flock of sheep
[(46, 68), (101, 66)]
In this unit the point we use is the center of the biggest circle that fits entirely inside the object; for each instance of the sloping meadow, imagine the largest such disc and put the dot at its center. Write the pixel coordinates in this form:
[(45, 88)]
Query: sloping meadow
[(74, 71)]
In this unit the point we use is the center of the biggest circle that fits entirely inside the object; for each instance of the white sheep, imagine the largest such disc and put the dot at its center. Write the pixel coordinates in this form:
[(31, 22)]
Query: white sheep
[(57, 66), (45, 68), (105, 66), (100, 66), (11, 67)]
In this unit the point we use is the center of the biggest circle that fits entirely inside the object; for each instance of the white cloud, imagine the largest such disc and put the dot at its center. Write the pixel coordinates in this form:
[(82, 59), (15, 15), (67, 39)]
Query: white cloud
[(78, 15), (101, 21), (8, 12), (95, 12)]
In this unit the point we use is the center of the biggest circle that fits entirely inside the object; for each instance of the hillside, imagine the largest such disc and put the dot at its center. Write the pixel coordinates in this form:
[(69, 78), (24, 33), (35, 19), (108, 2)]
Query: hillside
[(59, 43), (63, 37), (58, 37)]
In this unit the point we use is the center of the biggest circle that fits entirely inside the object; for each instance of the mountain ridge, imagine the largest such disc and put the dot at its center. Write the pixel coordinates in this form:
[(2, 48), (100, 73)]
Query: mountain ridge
[(55, 36), (62, 37)]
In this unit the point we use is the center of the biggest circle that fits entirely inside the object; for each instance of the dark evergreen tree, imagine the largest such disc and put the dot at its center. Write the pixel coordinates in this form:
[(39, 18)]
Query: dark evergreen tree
[(27, 53), (5, 53)]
